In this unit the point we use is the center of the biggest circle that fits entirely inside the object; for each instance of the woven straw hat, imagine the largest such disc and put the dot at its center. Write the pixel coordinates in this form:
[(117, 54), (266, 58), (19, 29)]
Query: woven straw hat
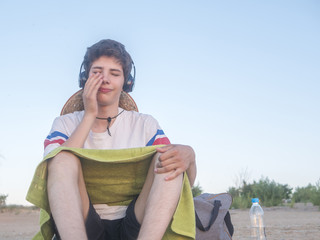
[(75, 103)]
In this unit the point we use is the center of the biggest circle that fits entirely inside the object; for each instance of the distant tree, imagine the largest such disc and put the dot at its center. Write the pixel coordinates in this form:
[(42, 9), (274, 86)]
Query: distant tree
[(3, 199), (269, 192), (242, 178), (310, 193), (196, 190)]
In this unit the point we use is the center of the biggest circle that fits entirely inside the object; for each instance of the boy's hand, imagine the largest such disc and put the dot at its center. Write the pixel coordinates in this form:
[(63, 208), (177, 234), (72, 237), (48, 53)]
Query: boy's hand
[(176, 158), (90, 94)]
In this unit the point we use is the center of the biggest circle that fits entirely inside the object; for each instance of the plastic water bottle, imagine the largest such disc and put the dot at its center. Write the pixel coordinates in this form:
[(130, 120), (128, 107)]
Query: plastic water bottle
[(257, 224)]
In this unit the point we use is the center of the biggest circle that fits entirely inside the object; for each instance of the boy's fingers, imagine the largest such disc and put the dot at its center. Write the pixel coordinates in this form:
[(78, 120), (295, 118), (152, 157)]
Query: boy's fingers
[(172, 167), (160, 168), (164, 148)]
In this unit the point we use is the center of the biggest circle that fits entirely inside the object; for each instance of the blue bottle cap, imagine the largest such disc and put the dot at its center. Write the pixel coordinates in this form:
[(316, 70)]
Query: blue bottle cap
[(255, 200)]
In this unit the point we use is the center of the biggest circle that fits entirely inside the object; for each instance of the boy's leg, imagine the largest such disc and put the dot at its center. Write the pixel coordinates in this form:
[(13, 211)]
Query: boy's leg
[(68, 198), (157, 202)]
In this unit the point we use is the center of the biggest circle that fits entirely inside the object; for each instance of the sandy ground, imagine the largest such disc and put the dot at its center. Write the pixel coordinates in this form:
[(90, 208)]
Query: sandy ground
[(299, 223), (18, 224), (282, 223)]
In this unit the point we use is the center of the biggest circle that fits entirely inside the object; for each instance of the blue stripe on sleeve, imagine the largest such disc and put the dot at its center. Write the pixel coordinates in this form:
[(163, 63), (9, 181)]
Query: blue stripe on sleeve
[(159, 132), (57, 134)]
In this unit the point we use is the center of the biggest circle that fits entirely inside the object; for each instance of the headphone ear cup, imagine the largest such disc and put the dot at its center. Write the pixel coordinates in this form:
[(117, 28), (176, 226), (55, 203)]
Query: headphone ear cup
[(128, 86), (82, 79)]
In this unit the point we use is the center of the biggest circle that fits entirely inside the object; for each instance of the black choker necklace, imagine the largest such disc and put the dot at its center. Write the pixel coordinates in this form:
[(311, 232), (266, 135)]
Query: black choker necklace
[(109, 120)]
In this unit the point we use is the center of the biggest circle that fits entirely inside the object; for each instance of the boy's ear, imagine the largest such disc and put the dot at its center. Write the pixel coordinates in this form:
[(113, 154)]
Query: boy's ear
[(82, 76), (129, 83), (82, 79)]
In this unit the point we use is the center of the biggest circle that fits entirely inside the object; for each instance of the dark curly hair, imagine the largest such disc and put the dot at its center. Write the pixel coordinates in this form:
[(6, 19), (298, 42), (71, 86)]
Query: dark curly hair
[(109, 48)]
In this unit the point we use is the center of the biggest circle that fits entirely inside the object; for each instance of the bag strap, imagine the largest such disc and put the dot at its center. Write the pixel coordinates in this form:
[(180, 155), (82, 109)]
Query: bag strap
[(228, 222), (214, 215)]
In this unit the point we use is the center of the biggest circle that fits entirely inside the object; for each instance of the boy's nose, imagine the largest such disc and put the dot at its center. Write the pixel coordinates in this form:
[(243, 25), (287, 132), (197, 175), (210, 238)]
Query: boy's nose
[(105, 78)]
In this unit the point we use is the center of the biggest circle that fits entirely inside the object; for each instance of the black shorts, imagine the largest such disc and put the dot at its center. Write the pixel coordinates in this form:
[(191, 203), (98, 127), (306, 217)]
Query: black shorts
[(126, 228)]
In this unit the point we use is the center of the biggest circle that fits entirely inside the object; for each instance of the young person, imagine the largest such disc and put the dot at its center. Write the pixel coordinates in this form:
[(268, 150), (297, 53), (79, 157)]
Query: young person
[(103, 125)]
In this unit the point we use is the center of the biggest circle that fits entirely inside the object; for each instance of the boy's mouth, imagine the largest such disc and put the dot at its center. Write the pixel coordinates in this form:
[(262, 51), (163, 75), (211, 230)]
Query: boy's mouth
[(104, 90)]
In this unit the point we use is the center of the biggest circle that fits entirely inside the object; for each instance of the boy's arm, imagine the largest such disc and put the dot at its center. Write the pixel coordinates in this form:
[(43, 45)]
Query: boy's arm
[(179, 158), (80, 134)]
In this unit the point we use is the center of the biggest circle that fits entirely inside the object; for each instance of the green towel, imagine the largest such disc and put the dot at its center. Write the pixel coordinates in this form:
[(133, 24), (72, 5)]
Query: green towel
[(113, 177)]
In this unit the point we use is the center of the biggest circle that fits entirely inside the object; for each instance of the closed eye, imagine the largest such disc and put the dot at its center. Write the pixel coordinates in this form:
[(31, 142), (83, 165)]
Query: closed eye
[(96, 69), (115, 72)]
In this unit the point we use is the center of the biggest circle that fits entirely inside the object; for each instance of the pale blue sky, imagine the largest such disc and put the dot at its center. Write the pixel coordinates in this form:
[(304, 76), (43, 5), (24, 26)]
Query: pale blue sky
[(239, 81)]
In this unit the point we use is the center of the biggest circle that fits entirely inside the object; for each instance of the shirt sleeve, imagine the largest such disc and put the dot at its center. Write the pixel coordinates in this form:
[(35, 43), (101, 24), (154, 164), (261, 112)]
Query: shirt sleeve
[(158, 136), (57, 136)]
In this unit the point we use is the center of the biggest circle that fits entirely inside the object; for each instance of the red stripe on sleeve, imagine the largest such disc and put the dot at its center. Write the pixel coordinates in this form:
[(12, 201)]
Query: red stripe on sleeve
[(161, 141), (47, 142)]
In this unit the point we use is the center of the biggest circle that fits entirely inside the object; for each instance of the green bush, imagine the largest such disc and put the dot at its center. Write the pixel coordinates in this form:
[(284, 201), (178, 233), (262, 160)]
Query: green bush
[(310, 193), (3, 199), (269, 192), (196, 190), (241, 202)]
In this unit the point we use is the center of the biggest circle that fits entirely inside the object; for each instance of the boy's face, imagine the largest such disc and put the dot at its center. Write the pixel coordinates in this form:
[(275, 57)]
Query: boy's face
[(113, 79)]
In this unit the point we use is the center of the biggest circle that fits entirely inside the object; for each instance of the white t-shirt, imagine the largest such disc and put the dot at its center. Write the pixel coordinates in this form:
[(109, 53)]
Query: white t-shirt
[(129, 130)]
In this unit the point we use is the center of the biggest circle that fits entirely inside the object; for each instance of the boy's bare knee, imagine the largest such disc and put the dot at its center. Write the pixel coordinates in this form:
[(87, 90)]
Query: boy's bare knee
[(64, 160)]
